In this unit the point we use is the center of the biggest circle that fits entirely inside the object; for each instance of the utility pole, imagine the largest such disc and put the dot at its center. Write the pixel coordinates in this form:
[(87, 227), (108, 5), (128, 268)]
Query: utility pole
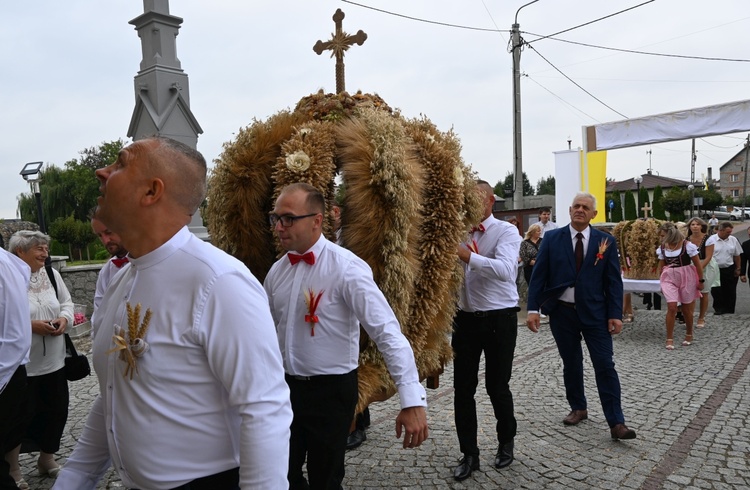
[(692, 179), (515, 45)]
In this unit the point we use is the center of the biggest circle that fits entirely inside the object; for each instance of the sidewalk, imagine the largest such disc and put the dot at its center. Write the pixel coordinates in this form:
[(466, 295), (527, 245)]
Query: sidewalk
[(690, 407)]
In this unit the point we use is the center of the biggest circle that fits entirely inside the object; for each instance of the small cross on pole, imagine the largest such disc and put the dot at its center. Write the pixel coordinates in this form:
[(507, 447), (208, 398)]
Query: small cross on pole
[(646, 208), (340, 42)]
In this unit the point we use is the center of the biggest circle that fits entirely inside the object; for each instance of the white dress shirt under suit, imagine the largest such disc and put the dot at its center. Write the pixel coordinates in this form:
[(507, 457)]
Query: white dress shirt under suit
[(209, 394)]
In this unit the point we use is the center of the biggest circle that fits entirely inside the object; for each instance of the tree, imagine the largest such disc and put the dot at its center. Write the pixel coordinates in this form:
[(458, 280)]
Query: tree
[(528, 190), (617, 209), (76, 234), (711, 198), (658, 205), (546, 185), (676, 201), (70, 190), (630, 212), (643, 199)]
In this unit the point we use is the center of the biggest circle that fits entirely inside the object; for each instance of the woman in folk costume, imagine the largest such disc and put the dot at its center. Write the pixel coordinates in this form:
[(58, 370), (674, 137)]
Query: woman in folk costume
[(681, 279), (698, 235)]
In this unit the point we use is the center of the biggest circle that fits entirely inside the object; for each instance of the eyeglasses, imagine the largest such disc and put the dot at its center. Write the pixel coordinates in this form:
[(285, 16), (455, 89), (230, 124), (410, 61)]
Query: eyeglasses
[(287, 220)]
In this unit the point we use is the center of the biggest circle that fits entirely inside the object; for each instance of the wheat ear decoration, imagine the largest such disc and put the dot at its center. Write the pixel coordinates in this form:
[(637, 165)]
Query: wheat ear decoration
[(144, 326), (132, 321)]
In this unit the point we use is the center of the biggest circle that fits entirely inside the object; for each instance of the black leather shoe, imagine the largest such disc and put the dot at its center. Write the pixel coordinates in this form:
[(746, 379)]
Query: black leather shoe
[(468, 464), (355, 439), (504, 456)]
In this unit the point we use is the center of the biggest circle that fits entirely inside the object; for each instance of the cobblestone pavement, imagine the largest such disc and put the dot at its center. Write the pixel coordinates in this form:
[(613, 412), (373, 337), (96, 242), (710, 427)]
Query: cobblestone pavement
[(690, 407)]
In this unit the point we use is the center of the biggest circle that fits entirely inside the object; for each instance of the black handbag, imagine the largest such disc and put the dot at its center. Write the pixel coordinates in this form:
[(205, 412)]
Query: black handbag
[(76, 366)]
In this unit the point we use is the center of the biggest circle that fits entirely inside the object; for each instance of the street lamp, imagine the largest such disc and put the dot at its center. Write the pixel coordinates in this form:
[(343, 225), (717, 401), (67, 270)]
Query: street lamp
[(31, 174), (691, 188), (638, 181)]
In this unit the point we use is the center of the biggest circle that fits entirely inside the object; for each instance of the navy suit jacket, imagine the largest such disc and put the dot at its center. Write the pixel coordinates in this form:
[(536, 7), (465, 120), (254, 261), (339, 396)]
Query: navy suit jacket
[(598, 287)]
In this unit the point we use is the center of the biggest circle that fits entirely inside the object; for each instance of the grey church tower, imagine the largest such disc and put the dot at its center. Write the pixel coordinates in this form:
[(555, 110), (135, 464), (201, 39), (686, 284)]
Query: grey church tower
[(162, 95)]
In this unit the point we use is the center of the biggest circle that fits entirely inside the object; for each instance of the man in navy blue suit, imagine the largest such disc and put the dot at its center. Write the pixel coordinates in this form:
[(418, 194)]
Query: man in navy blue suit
[(577, 282)]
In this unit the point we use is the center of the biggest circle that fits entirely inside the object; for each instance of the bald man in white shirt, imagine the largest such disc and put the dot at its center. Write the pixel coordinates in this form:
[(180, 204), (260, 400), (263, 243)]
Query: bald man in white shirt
[(205, 406), (319, 294), (15, 342)]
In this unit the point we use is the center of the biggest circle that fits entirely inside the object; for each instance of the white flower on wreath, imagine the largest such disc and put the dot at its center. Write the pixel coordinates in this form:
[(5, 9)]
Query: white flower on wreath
[(298, 161), (305, 131)]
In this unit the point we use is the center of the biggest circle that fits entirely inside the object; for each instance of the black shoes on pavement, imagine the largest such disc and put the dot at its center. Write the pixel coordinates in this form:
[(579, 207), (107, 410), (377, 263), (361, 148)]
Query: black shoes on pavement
[(468, 464)]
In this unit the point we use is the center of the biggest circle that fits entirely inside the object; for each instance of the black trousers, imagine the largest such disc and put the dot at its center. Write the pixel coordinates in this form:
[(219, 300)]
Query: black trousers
[(496, 337), (47, 405), (323, 408), (12, 408), (725, 295)]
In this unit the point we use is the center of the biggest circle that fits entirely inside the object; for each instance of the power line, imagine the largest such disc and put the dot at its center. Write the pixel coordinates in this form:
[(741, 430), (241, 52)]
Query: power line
[(561, 99), (633, 51), (423, 20), (576, 83), (592, 21)]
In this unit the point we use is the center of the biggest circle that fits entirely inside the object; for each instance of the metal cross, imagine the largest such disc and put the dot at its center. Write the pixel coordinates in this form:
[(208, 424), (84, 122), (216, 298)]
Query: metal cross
[(340, 42)]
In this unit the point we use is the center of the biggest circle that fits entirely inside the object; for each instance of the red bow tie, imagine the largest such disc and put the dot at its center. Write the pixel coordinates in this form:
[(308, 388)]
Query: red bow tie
[(478, 228), (120, 262), (309, 258)]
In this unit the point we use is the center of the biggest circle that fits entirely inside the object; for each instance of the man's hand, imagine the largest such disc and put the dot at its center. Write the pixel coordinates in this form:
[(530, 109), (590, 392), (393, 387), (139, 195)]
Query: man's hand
[(614, 326), (414, 422), (532, 321), (463, 253)]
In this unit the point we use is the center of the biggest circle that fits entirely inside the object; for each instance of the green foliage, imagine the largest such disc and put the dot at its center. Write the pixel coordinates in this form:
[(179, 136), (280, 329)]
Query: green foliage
[(711, 198), (73, 233), (545, 186), (630, 212), (729, 201), (617, 210), (71, 190), (676, 201), (528, 189), (658, 205)]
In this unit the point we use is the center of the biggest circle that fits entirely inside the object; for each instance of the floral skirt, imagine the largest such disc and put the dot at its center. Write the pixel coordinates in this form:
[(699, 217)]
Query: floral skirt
[(680, 284)]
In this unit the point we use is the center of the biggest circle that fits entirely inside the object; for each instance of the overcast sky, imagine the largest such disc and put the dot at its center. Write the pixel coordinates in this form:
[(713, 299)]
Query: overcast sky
[(68, 69)]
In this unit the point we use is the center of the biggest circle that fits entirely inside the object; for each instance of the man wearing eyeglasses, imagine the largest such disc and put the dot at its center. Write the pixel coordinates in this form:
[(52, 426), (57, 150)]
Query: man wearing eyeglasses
[(319, 295)]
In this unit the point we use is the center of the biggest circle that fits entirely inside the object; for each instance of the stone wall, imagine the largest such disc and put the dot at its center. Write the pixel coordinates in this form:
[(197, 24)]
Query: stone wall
[(81, 282)]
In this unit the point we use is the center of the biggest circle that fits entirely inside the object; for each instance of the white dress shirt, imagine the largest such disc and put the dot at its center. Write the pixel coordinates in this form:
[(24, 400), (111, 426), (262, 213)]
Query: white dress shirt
[(47, 351), (490, 276), (569, 295), (549, 225), (724, 250), (105, 276), (350, 298), (210, 392), (15, 327)]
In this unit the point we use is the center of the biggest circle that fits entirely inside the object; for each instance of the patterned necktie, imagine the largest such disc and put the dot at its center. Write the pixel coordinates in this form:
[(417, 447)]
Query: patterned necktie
[(120, 262), (308, 258), (579, 251)]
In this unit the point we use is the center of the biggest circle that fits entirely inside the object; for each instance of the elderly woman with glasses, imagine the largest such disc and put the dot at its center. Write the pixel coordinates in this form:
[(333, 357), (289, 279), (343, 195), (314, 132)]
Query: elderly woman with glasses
[(47, 392)]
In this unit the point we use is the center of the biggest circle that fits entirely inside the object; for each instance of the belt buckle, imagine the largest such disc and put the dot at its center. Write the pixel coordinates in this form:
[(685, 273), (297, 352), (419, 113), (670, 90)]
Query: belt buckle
[(480, 314)]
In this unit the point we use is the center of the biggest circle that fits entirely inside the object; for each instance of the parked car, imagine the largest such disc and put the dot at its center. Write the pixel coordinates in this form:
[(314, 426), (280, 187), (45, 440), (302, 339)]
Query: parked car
[(721, 214), (738, 212)]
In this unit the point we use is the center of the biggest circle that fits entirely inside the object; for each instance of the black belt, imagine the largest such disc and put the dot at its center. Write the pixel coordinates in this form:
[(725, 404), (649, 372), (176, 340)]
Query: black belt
[(319, 377), (490, 313), (568, 304), (226, 480)]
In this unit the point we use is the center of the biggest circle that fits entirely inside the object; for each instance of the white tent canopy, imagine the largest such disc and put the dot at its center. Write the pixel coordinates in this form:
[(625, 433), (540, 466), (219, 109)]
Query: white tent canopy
[(712, 120)]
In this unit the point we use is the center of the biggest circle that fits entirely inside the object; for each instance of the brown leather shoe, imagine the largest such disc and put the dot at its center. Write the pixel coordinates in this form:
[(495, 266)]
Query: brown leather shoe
[(621, 431), (576, 416)]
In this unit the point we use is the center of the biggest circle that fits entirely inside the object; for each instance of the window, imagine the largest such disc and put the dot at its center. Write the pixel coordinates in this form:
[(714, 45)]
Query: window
[(734, 178), (735, 193)]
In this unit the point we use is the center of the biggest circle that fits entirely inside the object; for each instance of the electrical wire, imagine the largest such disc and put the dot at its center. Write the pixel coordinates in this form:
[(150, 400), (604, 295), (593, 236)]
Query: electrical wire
[(576, 83), (424, 20), (561, 99), (592, 21), (634, 51)]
